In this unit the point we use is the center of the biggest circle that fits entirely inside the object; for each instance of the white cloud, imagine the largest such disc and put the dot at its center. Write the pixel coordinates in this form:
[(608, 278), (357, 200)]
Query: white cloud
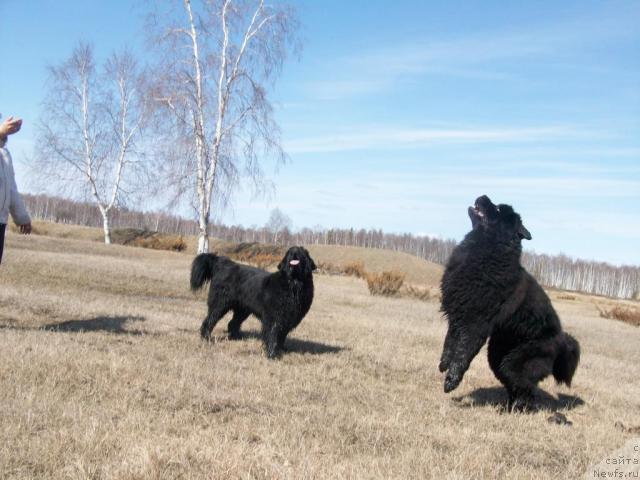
[(479, 56), (394, 138)]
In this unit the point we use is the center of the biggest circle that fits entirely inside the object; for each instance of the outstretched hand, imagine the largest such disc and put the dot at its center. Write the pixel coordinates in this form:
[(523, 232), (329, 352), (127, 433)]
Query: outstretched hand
[(10, 126)]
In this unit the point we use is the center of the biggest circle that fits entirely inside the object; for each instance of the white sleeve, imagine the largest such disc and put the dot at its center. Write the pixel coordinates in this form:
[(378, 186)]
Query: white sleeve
[(16, 205)]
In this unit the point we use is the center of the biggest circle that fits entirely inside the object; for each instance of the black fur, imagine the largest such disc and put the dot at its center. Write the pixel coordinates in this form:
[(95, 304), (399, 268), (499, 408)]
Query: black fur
[(280, 300), (486, 292)]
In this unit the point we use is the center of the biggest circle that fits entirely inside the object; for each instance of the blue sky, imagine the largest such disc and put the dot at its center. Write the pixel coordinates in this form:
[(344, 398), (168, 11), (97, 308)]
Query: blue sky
[(398, 114)]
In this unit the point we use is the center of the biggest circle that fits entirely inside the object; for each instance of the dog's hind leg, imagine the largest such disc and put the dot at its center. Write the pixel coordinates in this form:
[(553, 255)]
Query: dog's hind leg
[(522, 368), (469, 342), (239, 316), (216, 312)]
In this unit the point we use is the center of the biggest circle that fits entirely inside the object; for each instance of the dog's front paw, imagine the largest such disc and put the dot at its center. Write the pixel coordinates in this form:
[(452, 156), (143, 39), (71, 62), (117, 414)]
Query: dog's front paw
[(443, 366), (205, 333), (274, 353), (451, 381)]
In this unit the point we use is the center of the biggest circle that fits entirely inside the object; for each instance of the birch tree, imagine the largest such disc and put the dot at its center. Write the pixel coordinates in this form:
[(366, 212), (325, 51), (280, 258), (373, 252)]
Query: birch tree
[(278, 222), (90, 128), (217, 59)]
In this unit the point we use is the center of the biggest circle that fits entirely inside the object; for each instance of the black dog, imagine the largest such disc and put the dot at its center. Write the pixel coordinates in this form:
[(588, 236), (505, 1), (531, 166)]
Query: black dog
[(280, 300), (485, 291)]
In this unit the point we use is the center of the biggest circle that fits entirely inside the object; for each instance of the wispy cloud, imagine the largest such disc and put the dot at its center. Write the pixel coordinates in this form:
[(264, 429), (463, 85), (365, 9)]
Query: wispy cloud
[(393, 138), (476, 56)]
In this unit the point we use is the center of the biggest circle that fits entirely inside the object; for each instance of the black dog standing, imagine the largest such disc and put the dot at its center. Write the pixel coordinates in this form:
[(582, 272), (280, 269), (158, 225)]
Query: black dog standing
[(486, 292), (280, 300)]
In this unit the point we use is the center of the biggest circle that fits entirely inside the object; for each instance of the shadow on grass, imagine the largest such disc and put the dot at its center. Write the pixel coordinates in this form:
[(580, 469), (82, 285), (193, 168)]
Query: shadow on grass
[(294, 345), (497, 397), (97, 324), (310, 347)]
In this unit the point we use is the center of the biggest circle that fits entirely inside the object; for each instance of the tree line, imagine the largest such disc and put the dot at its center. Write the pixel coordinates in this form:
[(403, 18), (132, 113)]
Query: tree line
[(557, 271)]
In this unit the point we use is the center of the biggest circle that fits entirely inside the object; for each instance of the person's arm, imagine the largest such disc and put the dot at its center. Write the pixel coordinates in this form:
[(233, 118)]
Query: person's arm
[(16, 204), (18, 211)]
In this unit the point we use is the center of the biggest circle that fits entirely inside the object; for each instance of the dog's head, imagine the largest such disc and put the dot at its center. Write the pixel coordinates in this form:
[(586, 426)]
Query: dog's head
[(497, 221), (297, 263)]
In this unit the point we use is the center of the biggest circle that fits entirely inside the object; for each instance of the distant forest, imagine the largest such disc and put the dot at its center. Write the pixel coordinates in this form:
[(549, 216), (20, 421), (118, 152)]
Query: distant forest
[(557, 271)]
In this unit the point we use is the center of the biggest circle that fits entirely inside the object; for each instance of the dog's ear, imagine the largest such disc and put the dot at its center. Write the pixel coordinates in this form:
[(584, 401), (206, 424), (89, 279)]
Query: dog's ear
[(524, 233), (282, 263), (285, 265), (310, 261)]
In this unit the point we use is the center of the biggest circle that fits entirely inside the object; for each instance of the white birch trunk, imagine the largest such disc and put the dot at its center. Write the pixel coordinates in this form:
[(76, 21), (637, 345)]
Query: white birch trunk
[(106, 227), (203, 241), (203, 225), (204, 196)]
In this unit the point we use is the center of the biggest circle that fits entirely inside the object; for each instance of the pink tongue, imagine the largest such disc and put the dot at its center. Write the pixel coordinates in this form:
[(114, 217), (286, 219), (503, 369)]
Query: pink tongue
[(294, 262)]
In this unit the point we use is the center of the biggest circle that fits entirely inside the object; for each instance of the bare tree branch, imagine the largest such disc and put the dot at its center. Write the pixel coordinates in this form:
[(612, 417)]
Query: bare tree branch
[(88, 132), (234, 47)]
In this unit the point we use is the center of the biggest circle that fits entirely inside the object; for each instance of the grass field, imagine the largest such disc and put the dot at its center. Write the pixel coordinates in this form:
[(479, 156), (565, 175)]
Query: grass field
[(103, 375)]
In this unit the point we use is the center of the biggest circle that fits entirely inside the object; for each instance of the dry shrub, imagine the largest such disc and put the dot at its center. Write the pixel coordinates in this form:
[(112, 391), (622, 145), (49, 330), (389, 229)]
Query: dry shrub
[(355, 269), (387, 284), (328, 268), (262, 255), (352, 269), (173, 243), (147, 239), (566, 297), (418, 293), (625, 314), (264, 260)]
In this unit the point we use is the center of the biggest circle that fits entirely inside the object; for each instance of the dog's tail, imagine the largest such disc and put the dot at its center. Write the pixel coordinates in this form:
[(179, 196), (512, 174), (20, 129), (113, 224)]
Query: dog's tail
[(202, 270), (567, 359)]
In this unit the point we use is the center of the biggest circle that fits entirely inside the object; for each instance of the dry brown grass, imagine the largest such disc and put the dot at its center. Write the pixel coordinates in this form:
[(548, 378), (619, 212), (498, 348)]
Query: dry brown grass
[(416, 270), (420, 293), (264, 261), (565, 296), (355, 269), (387, 284), (330, 259), (625, 314), (328, 268), (257, 254), (135, 237), (103, 375), (61, 230)]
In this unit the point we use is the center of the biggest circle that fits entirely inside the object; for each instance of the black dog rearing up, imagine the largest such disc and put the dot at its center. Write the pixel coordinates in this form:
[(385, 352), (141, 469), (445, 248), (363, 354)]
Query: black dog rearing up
[(486, 292), (280, 300)]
